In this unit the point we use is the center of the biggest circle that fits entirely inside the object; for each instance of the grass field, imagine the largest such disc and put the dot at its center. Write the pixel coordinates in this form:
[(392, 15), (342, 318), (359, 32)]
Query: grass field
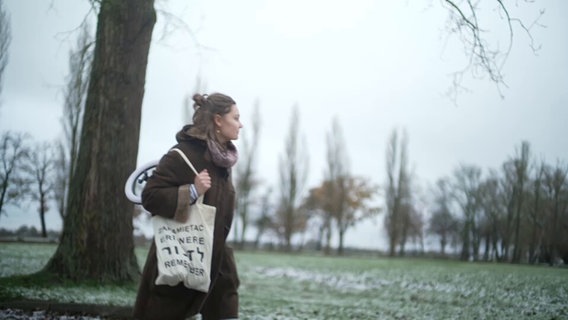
[(284, 286)]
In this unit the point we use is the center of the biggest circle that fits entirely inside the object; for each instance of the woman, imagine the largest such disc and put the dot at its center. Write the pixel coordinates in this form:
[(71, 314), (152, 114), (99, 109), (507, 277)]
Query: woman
[(172, 187)]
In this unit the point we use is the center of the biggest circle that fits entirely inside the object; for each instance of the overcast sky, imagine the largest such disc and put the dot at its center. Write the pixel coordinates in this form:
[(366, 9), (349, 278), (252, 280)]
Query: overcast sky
[(375, 65)]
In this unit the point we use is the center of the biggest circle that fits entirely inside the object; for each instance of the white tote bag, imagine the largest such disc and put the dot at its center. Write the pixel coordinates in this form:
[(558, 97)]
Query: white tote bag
[(184, 249)]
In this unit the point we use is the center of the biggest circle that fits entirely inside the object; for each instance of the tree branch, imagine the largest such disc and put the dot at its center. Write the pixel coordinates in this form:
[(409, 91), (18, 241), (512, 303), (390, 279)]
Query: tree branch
[(477, 48)]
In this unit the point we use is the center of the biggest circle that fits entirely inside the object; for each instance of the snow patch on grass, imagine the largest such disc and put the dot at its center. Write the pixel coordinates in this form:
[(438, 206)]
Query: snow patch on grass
[(284, 286), (342, 282)]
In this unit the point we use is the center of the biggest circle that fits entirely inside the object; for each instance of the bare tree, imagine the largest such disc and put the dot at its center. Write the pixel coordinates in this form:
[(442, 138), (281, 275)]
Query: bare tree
[(392, 201), (39, 167), (335, 201), (521, 165), (293, 173), (5, 39), (264, 221), (484, 58), (442, 222), (508, 189), (246, 177), (398, 192), (465, 191), (536, 212), (516, 171), (98, 220), (491, 220), (416, 225), (556, 181), (13, 185), (75, 92)]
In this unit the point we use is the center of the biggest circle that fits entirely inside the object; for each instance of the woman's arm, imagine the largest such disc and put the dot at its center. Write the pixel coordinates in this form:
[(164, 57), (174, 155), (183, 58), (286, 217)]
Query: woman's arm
[(167, 191)]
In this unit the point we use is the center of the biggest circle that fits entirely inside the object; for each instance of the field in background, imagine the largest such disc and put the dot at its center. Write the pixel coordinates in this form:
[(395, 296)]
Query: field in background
[(287, 286)]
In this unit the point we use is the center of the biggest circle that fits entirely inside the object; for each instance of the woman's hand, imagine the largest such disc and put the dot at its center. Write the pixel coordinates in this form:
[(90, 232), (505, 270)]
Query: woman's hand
[(202, 182)]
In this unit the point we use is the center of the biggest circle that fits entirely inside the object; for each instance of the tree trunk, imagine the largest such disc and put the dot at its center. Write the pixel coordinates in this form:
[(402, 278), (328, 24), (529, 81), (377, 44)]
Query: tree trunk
[(475, 240), (464, 255), (327, 248), (507, 236), (341, 237), (517, 245), (443, 245), (487, 250), (42, 210), (97, 241)]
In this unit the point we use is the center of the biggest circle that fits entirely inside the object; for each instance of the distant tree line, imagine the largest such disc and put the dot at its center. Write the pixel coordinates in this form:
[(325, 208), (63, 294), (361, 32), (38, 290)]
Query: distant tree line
[(517, 213), (27, 232)]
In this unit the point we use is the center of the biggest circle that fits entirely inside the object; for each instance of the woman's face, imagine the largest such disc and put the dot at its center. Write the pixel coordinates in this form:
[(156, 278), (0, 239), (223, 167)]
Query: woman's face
[(229, 124)]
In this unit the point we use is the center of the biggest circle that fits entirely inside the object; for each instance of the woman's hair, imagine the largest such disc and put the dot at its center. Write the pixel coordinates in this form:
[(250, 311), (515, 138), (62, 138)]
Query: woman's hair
[(205, 107)]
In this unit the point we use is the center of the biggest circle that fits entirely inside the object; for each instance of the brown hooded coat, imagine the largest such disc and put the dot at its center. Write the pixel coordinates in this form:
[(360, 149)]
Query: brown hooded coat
[(167, 194)]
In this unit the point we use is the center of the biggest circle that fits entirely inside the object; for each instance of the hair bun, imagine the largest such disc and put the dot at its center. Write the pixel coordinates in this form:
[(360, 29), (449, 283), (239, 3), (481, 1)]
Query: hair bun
[(199, 100)]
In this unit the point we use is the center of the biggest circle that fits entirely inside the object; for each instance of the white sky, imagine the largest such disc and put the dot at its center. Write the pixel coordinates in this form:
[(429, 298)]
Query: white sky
[(375, 65)]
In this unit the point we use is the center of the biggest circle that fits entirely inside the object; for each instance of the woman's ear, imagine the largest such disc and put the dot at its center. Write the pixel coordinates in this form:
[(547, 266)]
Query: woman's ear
[(217, 120)]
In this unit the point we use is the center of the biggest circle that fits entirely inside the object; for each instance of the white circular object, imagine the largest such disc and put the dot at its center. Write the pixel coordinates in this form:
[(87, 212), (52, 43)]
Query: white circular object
[(136, 181)]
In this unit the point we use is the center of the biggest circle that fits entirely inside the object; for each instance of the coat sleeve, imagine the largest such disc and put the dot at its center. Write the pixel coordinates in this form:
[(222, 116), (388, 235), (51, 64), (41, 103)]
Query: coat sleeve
[(167, 190)]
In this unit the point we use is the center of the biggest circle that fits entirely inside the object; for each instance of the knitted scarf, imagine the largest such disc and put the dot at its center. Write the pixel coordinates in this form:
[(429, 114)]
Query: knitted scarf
[(223, 158)]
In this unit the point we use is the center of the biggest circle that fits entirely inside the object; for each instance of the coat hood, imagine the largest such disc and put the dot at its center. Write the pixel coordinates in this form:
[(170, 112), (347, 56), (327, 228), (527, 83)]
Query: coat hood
[(184, 135)]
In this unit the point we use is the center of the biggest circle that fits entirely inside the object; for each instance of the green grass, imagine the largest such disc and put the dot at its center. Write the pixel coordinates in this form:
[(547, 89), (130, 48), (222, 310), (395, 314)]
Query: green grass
[(285, 286)]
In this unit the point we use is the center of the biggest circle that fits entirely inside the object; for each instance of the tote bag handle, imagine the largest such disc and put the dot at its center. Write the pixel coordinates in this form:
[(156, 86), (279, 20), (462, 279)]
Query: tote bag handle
[(185, 159)]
